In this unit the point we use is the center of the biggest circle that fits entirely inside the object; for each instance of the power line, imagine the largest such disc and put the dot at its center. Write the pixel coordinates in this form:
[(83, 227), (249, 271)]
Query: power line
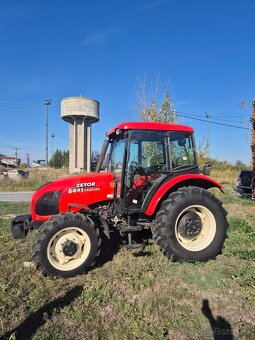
[(20, 108), (32, 106), (16, 103), (227, 120), (212, 122), (16, 108), (235, 116), (195, 117)]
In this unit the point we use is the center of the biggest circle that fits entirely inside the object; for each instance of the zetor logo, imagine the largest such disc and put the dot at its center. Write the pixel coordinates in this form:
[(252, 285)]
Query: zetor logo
[(85, 185), (82, 187)]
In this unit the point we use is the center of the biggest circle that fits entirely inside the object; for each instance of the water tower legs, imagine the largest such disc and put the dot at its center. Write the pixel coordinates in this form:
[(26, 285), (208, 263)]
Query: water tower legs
[(80, 145)]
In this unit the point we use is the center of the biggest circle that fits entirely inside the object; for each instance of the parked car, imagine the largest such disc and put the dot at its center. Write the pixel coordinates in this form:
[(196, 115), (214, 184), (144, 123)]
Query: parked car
[(244, 182)]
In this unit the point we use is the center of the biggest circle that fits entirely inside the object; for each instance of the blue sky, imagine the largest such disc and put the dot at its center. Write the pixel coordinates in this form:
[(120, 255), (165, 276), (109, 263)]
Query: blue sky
[(203, 49)]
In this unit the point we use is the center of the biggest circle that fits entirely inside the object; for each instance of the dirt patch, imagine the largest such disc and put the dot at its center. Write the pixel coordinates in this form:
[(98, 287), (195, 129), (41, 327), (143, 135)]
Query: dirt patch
[(238, 210), (8, 216)]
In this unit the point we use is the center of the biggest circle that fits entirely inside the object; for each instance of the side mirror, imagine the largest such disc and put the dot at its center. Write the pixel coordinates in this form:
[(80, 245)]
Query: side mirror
[(207, 170), (182, 142)]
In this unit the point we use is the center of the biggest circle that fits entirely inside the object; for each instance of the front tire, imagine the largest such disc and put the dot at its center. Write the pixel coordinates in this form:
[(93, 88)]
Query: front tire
[(66, 245), (191, 225)]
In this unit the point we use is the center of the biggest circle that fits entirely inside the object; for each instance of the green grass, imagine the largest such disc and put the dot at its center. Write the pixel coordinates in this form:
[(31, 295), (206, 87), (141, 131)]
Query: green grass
[(14, 208), (229, 196), (242, 241), (137, 295), (36, 179)]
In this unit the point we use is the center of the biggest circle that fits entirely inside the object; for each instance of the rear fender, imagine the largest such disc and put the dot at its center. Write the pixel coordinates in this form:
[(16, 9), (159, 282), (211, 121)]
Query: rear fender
[(177, 182)]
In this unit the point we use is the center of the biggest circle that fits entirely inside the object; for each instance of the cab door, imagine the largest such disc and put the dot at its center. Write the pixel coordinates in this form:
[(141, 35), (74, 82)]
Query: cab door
[(147, 166), (116, 164)]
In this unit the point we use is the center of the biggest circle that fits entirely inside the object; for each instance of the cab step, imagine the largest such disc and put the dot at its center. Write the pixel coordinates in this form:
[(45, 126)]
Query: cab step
[(131, 228), (131, 245)]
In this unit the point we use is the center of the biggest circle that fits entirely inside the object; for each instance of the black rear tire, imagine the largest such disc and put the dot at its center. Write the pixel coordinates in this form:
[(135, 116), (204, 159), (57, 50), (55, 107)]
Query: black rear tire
[(66, 245), (191, 225)]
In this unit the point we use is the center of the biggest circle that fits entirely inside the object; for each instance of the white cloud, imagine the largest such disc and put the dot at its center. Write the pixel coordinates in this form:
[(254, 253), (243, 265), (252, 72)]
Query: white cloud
[(101, 37)]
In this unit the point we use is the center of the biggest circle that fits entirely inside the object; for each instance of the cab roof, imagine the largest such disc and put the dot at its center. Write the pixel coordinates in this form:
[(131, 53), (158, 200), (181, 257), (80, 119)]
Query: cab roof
[(157, 126)]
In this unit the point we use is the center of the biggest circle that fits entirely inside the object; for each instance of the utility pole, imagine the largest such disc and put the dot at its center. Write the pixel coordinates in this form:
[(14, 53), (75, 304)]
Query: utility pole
[(16, 154), (47, 102), (207, 115), (28, 159), (52, 136), (253, 148)]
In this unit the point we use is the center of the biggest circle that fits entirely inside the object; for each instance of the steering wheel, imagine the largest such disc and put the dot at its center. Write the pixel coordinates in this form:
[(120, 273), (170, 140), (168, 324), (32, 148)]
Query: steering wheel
[(135, 165), (134, 168)]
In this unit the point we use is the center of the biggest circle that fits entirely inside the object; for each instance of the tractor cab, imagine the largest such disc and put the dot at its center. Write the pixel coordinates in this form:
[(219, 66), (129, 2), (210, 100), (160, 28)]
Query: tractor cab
[(143, 156)]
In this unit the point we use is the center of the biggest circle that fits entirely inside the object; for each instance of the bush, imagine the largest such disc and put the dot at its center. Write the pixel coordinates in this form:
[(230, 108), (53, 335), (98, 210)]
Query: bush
[(60, 159)]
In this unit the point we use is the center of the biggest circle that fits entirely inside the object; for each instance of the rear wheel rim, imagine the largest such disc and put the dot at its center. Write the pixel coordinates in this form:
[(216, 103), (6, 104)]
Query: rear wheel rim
[(74, 239), (206, 233)]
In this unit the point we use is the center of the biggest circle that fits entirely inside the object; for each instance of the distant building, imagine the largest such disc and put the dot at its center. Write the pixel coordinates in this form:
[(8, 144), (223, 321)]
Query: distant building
[(10, 161), (38, 163)]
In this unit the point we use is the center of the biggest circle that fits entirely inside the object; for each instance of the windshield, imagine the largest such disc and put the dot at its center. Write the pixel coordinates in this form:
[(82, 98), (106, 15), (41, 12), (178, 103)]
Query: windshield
[(148, 151), (183, 152)]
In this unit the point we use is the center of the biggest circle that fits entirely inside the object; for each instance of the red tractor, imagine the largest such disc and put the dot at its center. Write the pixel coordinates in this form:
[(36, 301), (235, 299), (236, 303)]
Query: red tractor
[(146, 176)]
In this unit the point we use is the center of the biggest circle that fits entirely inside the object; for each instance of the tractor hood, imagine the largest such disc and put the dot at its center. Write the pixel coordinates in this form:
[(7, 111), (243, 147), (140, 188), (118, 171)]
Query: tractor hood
[(71, 193)]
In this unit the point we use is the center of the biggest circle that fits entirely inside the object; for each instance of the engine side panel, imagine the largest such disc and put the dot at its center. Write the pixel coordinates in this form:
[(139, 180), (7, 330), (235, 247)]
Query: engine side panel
[(85, 190)]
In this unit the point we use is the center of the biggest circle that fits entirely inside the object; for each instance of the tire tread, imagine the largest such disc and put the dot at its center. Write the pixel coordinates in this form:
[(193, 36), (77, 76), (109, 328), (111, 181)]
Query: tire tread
[(163, 226)]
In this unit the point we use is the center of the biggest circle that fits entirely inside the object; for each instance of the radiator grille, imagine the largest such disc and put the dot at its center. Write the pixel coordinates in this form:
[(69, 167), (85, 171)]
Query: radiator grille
[(48, 204)]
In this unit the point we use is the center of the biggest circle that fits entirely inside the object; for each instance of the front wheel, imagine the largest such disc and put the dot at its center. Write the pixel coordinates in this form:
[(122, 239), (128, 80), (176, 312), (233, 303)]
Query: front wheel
[(66, 245), (191, 225)]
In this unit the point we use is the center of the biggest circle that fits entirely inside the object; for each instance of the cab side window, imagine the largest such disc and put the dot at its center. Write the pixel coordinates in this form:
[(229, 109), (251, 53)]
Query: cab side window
[(116, 159)]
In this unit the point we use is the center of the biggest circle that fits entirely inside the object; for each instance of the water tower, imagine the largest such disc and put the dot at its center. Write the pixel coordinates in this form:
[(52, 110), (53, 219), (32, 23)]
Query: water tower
[(80, 112)]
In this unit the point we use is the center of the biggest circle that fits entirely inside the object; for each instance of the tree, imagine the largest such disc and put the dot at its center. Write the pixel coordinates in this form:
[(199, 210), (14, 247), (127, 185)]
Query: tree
[(59, 159), (66, 159), (203, 150), (94, 157), (149, 107), (239, 165)]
